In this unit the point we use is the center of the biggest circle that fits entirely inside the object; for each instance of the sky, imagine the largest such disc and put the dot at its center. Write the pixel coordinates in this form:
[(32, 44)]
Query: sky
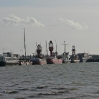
[(74, 21)]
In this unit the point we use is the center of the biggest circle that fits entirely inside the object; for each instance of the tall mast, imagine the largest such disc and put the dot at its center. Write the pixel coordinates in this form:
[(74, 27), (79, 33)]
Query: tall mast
[(56, 50), (24, 43), (46, 48), (65, 46), (56, 45)]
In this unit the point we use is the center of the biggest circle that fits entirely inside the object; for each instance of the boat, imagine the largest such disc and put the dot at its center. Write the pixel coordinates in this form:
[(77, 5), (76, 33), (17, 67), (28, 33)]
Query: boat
[(93, 58), (83, 57), (10, 58), (74, 57), (2, 61), (53, 58), (65, 55), (38, 59), (23, 60)]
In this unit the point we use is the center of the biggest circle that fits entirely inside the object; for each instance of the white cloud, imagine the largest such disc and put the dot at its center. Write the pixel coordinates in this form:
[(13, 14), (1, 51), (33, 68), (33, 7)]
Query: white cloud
[(14, 20), (74, 24)]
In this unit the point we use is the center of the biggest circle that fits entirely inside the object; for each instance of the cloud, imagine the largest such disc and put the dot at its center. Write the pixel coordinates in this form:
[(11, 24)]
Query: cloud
[(14, 20), (74, 24)]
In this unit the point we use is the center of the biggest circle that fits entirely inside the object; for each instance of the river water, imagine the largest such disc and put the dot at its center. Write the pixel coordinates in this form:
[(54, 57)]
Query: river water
[(66, 81)]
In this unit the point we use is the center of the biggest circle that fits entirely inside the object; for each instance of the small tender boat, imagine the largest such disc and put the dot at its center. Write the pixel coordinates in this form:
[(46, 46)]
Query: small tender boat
[(24, 62)]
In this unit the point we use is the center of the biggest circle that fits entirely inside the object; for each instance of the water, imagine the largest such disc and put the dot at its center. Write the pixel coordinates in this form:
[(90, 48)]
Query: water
[(66, 81)]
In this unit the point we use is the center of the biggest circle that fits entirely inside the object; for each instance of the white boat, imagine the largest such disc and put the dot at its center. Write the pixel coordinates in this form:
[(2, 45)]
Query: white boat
[(10, 58), (23, 63), (66, 57), (74, 57)]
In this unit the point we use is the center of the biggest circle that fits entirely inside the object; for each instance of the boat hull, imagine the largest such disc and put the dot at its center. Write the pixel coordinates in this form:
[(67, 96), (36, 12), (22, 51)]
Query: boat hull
[(25, 63), (66, 61), (92, 60), (54, 61), (75, 61), (37, 61), (12, 63), (2, 64)]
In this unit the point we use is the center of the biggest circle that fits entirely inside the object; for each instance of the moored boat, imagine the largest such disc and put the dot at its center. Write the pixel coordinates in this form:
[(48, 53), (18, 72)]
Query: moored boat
[(10, 59), (38, 59), (23, 60), (65, 55), (53, 59), (2, 61), (83, 57), (74, 57)]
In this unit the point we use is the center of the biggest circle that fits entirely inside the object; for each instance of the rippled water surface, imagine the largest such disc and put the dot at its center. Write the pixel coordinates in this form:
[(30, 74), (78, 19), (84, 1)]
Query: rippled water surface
[(66, 81)]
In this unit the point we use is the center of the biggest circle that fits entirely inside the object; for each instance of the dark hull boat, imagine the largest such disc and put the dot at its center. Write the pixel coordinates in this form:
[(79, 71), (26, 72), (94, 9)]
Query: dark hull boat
[(2, 64), (92, 60), (38, 59), (2, 61), (83, 57)]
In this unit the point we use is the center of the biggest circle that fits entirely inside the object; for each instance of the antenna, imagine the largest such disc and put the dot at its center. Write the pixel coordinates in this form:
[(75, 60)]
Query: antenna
[(64, 46)]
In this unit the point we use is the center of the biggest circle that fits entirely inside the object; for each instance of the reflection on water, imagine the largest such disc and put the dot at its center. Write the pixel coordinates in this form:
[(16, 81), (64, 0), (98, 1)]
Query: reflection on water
[(66, 81)]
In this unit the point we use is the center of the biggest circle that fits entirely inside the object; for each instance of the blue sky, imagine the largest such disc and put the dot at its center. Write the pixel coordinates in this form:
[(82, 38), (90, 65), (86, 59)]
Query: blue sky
[(73, 21)]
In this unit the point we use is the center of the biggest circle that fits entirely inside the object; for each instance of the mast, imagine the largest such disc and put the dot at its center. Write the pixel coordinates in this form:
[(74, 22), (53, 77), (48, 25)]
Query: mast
[(56, 49), (24, 43), (46, 48), (73, 50), (65, 47), (56, 45)]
